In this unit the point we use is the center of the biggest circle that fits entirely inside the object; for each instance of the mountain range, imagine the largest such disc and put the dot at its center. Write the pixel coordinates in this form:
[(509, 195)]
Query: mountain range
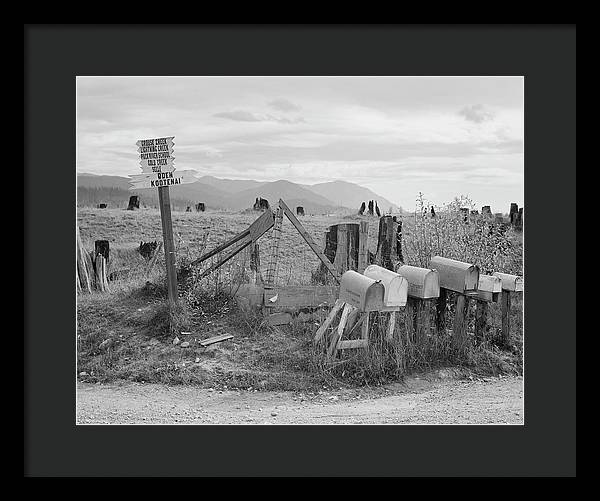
[(234, 194)]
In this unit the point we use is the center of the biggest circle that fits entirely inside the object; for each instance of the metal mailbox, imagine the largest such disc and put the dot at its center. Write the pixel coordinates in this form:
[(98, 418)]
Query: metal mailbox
[(423, 283), (362, 292), (455, 275), (511, 283), (489, 288), (395, 285)]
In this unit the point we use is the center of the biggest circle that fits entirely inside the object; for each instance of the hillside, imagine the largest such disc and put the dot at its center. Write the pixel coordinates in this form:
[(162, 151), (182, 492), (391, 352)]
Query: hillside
[(350, 195), (229, 185), (232, 194)]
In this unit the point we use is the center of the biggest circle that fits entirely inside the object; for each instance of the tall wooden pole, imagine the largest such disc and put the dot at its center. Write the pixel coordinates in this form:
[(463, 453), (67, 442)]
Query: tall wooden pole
[(164, 201)]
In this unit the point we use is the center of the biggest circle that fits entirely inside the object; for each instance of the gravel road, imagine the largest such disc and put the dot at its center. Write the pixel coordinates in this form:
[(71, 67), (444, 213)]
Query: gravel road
[(416, 401)]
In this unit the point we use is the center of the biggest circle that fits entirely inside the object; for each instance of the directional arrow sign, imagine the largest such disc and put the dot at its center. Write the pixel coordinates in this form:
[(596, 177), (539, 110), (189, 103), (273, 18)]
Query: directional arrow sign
[(156, 155), (159, 165), (158, 180)]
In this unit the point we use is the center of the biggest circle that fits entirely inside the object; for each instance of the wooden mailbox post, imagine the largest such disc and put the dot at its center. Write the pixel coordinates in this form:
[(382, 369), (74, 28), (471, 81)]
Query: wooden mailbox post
[(488, 291), (510, 284), (462, 278), (423, 288)]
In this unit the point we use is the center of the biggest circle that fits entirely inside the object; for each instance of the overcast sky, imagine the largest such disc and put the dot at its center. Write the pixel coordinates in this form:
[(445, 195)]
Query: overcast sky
[(443, 136)]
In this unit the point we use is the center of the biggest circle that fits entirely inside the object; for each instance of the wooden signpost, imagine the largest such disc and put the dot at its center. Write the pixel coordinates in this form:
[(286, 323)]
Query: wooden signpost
[(158, 171)]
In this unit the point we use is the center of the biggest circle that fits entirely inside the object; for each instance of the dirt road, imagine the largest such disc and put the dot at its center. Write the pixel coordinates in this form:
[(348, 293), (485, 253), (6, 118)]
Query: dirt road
[(417, 401)]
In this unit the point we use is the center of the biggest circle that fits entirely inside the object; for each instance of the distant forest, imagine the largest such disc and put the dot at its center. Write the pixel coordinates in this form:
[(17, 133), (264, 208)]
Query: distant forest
[(117, 197)]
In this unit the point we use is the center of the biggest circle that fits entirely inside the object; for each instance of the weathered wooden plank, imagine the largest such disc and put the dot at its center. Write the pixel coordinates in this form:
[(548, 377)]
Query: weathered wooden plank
[(357, 324), (243, 244), (391, 326), (308, 239), (340, 262), (327, 322), (365, 326), (363, 254), (215, 339), (340, 330), (281, 318), (251, 294), (263, 224), (222, 247), (301, 296), (347, 344)]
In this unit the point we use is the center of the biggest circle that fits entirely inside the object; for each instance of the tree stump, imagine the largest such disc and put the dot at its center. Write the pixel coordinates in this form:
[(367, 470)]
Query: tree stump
[(134, 202), (513, 214), (100, 269), (102, 247), (389, 243), (300, 211)]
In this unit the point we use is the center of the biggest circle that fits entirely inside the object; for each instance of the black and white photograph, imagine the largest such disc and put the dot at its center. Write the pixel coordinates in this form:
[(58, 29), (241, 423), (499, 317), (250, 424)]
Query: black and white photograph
[(300, 250)]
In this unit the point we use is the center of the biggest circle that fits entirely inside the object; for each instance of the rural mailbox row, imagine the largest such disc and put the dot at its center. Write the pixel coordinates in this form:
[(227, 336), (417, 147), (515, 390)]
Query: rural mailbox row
[(381, 290)]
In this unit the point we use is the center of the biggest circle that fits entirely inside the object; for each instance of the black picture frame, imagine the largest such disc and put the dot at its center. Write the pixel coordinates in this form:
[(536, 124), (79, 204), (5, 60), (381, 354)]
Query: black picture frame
[(55, 54)]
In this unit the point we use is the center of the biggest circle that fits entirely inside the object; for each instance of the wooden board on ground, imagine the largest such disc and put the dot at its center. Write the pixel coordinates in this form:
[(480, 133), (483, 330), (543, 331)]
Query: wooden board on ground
[(279, 318), (251, 294), (301, 296), (215, 339)]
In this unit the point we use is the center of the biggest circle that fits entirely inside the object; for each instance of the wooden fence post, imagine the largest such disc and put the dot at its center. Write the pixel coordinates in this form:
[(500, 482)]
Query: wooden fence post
[(459, 328), (441, 306), (481, 321), (363, 241), (505, 306), (389, 242), (255, 264)]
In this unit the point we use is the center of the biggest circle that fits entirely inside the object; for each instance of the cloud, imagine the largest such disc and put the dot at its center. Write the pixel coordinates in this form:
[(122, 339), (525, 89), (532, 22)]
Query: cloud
[(239, 116), (247, 116), (476, 113), (284, 105)]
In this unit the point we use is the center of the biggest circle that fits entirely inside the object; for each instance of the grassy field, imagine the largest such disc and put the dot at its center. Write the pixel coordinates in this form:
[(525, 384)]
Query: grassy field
[(127, 333)]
